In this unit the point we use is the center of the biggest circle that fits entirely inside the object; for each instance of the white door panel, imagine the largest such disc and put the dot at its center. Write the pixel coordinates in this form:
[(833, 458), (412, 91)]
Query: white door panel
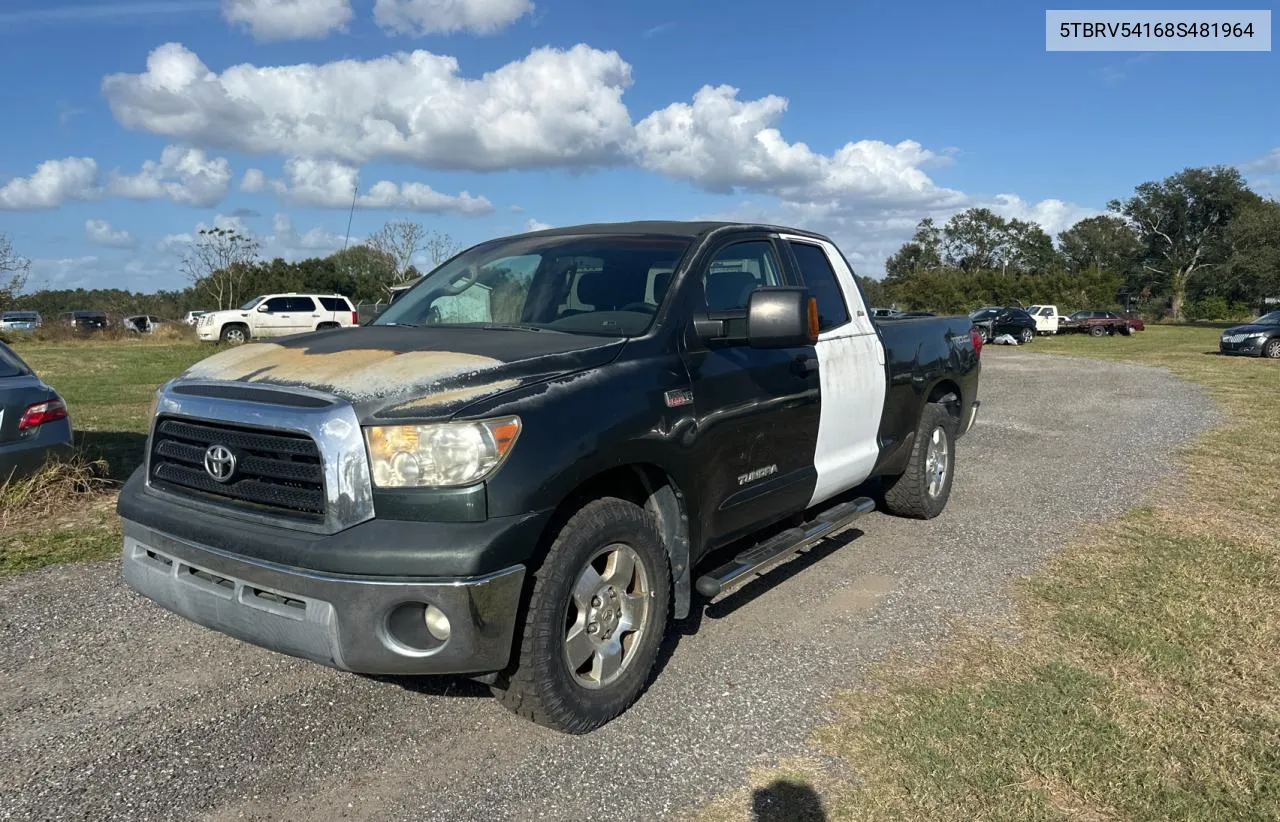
[(852, 380)]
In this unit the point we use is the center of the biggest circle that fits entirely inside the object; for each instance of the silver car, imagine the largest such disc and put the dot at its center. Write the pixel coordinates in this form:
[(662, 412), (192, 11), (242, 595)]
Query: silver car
[(33, 419), (20, 321)]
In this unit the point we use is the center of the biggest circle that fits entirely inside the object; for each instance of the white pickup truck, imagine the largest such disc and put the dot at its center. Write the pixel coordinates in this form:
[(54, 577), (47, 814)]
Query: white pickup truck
[(277, 315), (1046, 317)]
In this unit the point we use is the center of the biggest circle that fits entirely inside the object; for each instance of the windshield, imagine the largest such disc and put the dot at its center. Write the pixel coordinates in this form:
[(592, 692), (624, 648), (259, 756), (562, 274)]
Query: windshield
[(983, 314), (1269, 319), (17, 315), (581, 284), (249, 305)]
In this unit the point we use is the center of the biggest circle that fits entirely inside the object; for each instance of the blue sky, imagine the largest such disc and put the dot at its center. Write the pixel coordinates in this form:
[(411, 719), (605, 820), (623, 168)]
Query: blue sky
[(854, 118)]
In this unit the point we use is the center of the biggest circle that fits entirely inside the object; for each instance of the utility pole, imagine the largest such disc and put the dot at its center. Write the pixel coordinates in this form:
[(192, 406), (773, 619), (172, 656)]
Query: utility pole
[(355, 192)]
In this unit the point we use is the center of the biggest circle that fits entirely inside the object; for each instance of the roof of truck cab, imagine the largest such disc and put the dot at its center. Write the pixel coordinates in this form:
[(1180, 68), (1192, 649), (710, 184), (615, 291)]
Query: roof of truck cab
[(667, 228)]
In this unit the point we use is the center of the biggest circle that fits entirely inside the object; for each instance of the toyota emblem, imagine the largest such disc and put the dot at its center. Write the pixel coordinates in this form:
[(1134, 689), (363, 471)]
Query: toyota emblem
[(219, 462)]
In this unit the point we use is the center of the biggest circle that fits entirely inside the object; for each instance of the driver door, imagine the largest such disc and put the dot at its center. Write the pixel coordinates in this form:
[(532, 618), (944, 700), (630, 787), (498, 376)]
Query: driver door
[(757, 409)]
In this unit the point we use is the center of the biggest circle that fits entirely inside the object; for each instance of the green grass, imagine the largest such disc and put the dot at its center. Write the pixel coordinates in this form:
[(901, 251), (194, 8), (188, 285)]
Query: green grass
[(1145, 683), (108, 386)]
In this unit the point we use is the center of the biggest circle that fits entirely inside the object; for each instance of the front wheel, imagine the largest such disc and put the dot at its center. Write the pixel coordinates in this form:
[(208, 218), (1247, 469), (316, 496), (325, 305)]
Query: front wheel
[(1098, 331), (922, 491), (596, 617), (1272, 349), (235, 334), (1026, 335)]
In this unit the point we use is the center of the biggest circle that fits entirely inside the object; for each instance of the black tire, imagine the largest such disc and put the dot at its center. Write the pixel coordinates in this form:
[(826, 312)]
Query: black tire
[(1127, 331), (327, 326), (985, 334), (1098, 331), (1271, 348), (540, 686), (908, 495), (1025, 336), (234, 334)]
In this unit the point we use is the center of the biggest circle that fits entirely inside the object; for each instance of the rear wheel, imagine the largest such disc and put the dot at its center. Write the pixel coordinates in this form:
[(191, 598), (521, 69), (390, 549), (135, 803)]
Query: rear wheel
[(922, 491), (596, 617), (1272, 349)]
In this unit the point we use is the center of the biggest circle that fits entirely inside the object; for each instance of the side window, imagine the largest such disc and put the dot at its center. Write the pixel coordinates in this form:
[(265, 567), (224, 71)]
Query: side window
[(278, 305), (736, 271), (302, 305), (821, 281), (334, 304)]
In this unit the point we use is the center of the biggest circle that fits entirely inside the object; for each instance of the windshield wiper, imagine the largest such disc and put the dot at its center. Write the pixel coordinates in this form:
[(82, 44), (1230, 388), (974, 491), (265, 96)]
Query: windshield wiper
[(399, 325)]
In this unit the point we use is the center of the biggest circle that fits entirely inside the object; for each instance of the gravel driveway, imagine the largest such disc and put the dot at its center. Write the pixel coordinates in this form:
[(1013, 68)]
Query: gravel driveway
[(111, 707)]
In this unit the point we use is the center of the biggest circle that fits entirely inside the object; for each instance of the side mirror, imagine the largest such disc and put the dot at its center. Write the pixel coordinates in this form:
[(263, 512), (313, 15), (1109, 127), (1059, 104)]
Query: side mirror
[(262, 309), (781, 317)]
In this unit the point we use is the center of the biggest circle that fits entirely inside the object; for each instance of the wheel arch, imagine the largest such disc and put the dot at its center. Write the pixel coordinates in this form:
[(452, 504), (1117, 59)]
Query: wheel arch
[(652, 488)]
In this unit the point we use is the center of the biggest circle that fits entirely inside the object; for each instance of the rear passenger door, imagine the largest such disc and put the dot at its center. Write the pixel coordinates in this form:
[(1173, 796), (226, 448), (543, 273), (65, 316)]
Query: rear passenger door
[(850, 370)]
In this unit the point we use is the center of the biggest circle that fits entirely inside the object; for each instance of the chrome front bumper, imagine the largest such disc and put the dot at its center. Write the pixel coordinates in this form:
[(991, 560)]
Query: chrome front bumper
[(364, 624)]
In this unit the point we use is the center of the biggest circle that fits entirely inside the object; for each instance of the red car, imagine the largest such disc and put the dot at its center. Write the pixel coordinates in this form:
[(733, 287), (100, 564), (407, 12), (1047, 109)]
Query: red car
[(1135, 322)]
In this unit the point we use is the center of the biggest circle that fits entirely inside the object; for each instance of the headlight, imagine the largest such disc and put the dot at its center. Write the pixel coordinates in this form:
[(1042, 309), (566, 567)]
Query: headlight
[(439, 455)]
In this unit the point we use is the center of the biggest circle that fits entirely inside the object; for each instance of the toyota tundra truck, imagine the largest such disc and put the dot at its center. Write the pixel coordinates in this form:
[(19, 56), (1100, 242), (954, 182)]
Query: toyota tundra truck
[(551, 447)]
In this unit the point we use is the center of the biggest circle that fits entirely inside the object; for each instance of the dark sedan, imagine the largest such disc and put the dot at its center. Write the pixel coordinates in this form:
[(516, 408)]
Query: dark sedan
[(33, 419), (992, 322), (1260, 338)]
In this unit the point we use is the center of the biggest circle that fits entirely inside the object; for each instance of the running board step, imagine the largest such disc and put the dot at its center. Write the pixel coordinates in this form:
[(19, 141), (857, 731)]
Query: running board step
[(790, 541)]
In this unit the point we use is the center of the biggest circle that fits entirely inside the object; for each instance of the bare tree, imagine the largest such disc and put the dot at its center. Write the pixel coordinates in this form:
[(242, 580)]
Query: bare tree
[(13, 271), (440, 247), (217, 262), (401, 240)]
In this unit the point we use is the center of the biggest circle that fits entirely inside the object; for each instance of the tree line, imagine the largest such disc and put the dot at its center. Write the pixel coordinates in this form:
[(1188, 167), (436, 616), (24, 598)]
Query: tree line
[(1199, 244), (224, 269)]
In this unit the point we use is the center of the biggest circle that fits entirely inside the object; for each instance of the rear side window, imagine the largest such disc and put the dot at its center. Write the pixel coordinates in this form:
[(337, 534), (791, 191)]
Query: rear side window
[(10, 364), (820, 279), (335, 304)]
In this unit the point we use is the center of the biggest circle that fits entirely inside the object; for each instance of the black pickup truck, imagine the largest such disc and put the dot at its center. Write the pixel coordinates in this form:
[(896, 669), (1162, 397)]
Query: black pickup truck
[(529, 464)]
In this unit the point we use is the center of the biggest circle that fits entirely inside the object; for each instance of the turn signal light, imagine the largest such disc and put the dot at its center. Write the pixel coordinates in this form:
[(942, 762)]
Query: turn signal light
[(814, 324), (38, 414)]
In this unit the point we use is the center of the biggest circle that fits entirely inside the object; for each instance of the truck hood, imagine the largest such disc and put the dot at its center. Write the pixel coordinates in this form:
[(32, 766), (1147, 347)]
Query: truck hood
[(401, 373)]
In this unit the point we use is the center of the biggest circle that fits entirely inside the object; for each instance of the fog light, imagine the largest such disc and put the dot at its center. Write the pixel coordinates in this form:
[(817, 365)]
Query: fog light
[(437, 623)]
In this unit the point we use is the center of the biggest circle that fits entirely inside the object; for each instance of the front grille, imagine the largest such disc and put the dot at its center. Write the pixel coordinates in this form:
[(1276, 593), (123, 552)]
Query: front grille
[(275, 472)]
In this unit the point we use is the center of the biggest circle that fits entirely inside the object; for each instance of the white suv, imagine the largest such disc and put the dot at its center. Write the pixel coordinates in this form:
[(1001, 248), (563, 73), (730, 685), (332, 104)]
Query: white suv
[(277, 315)]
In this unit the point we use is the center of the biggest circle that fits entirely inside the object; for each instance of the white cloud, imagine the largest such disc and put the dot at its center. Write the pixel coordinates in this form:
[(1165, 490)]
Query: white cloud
[(288, 19), (287, 242), (101, 233), (417, 18), (1054, 216), (1266, 164), (53, 183), (723, 144), (183, 175), (253, 181), (228, 222), (328, 184), (553, 108), (67, 272), (536, 225)]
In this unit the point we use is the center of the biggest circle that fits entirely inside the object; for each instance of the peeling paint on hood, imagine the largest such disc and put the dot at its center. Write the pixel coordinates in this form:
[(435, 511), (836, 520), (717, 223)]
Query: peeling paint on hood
[(355, 374), (403, 373)]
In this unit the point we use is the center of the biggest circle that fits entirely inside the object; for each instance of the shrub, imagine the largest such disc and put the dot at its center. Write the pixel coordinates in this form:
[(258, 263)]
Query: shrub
[(1209, 308)]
